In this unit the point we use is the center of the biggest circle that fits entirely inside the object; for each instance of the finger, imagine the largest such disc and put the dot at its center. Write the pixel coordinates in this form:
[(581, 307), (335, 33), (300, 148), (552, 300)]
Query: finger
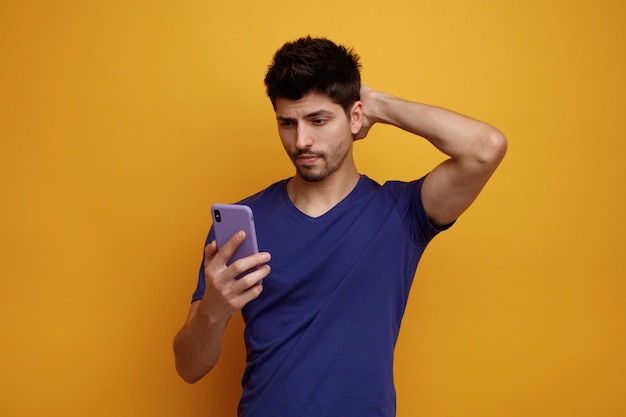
[(236, 303), (248, 263), (250, 286), (209, 252), (250, 278), (249, 295), (226, 251), (232, 295)]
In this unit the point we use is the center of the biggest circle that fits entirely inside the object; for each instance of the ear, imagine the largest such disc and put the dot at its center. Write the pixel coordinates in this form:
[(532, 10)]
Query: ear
[(356, 117)]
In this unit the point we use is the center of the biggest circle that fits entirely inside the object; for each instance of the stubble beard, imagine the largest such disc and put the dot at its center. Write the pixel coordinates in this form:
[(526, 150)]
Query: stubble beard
[(314, 174), (330, 163)]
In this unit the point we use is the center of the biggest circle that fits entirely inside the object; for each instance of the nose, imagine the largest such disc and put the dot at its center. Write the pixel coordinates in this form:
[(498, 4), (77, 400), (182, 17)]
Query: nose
[(304, 138)]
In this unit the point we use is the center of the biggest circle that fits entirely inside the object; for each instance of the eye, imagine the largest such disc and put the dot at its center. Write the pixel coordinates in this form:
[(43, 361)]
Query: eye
[(285, 123), (319, 121)]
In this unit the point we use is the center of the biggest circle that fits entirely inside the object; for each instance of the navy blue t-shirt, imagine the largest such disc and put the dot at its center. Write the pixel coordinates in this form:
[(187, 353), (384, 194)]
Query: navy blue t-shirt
[(320, 337)]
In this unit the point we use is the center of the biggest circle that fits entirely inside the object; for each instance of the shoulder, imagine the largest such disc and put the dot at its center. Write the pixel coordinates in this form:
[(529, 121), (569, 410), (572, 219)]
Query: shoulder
[(399, 193), (268, 193), (407, 198), (405, 192)]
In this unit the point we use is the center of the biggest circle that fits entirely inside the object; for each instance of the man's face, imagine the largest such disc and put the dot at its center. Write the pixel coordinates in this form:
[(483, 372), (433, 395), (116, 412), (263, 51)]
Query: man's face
[(317, 134)]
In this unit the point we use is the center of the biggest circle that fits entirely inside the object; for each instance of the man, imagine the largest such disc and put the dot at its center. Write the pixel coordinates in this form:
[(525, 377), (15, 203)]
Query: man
[(323, 320)]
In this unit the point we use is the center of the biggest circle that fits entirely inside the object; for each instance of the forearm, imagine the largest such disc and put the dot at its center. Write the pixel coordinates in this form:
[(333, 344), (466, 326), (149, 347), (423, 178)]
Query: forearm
[(197, 347), (458, 136)]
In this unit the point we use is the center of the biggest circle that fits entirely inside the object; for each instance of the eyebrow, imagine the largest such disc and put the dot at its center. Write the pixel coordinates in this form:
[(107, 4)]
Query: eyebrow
[(311, 115)]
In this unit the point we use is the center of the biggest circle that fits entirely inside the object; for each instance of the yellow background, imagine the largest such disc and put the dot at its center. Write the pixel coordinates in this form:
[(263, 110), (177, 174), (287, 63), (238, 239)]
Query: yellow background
[(121, 122)]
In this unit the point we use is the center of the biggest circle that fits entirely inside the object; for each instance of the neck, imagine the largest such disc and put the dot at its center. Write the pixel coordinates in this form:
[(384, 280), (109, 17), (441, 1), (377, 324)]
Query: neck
[(316, 198)]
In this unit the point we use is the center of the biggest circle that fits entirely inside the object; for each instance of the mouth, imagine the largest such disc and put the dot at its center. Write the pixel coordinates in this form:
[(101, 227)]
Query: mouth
[(308, 158)]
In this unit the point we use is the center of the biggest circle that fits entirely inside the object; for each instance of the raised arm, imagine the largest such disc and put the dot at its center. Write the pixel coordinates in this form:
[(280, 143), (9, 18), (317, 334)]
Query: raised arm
[(475, 149)]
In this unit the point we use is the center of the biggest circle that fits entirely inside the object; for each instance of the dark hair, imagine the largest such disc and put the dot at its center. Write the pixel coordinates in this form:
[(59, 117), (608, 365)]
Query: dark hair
[(314, 65)]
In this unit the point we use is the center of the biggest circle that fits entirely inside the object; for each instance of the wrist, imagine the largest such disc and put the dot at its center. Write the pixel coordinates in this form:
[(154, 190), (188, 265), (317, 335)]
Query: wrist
[(379, 106), (206, 318)]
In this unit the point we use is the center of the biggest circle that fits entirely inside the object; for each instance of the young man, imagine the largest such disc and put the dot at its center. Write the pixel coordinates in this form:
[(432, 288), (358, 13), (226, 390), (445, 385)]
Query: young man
[(322, 322)]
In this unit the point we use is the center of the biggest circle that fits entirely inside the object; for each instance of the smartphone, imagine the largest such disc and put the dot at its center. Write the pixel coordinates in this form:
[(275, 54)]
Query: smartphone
[(228, 219)]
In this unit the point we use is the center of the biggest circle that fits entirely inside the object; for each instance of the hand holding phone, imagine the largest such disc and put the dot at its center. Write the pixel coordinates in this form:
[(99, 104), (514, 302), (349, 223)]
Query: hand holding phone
[(228, 289), (229, 219)]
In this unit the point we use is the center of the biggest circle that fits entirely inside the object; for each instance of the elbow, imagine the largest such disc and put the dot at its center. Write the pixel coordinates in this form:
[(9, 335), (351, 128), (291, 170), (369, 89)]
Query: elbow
[(185, 372), (500, 144), (493, 149), (189, 375), (187, 364), (190, 379)]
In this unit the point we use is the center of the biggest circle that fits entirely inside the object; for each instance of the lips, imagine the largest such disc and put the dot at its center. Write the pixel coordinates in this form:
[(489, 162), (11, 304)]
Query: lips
[(308, 158)]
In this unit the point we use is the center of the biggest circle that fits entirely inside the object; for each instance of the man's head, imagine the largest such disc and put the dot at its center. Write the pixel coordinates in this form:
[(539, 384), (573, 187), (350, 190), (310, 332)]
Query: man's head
[(314, 65)]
